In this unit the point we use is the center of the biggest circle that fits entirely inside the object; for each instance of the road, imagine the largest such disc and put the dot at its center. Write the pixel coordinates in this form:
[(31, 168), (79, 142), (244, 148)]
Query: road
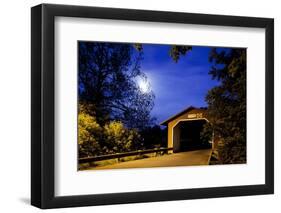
[(189, 158)]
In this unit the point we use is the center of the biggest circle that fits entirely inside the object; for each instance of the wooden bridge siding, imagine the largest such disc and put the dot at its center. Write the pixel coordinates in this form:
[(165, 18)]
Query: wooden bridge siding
[(173, 122)]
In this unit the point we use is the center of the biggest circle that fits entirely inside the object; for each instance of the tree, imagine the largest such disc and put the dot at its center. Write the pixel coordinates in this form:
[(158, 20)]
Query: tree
[(89, 134), (206, 135), (227, 103), (154, 136), (177, 50), (107, 82), (95, 140), (118, 138)]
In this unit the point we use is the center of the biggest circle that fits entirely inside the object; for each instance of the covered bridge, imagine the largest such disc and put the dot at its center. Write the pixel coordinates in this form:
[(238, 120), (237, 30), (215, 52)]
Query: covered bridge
[(184, 129)]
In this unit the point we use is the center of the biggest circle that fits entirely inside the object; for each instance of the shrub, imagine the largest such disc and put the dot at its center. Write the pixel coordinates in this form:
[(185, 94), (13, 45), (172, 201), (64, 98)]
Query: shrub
[(95, 140), (118, 138), (89, 133)]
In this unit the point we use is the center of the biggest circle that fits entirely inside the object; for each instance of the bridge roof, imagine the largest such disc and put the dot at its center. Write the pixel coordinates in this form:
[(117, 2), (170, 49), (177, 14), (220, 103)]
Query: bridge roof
[(181, 113)]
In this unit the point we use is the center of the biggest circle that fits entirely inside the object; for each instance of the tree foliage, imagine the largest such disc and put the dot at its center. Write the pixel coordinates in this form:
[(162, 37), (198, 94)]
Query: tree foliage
[(206, 135), (94, 139), (154, 136), (120, 139), (176, 51), (89, 135), (107, 83), (227, 103)]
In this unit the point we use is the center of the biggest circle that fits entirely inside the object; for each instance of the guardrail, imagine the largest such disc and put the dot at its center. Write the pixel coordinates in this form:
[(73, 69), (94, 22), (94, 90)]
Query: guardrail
[(120, 155)]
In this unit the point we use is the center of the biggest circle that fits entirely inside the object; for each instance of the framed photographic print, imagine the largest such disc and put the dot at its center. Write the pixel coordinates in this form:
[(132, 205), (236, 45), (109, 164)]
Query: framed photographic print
[(139, 106)]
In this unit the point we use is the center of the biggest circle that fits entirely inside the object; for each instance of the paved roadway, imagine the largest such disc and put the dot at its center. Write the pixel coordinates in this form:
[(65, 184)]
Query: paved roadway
[(189, 158)]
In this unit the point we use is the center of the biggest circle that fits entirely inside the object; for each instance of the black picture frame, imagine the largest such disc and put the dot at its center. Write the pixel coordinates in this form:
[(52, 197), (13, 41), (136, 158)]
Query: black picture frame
[(43, 102)]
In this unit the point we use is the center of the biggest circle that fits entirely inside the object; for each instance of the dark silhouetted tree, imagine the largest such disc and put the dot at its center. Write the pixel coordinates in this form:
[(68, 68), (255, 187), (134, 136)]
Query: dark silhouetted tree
[(107, 83), (178, 50), (154, 136), (227, 103)]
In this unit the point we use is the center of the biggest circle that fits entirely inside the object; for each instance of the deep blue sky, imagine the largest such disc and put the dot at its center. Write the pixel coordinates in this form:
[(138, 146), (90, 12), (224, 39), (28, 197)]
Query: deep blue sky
[(177, 85)]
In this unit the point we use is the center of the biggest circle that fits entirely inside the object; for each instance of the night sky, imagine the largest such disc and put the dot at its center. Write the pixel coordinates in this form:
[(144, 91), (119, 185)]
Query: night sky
[(177, 85)]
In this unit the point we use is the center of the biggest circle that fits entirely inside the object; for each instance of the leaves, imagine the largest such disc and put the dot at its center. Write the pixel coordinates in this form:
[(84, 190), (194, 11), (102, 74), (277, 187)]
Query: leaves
[(89, 132), (119, 138), (176, 51), (107, 83), (94, 140), (227, 103)]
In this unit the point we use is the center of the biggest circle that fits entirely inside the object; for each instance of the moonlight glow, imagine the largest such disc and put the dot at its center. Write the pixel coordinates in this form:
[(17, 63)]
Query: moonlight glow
[(144, 85)]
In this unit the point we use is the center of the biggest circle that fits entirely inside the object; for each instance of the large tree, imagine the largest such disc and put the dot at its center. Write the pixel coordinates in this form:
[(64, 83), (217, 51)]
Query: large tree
[(108, 74), (227, 103)]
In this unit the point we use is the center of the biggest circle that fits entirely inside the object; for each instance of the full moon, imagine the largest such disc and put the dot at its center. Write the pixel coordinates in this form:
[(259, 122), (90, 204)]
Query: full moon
[(143, 85)]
